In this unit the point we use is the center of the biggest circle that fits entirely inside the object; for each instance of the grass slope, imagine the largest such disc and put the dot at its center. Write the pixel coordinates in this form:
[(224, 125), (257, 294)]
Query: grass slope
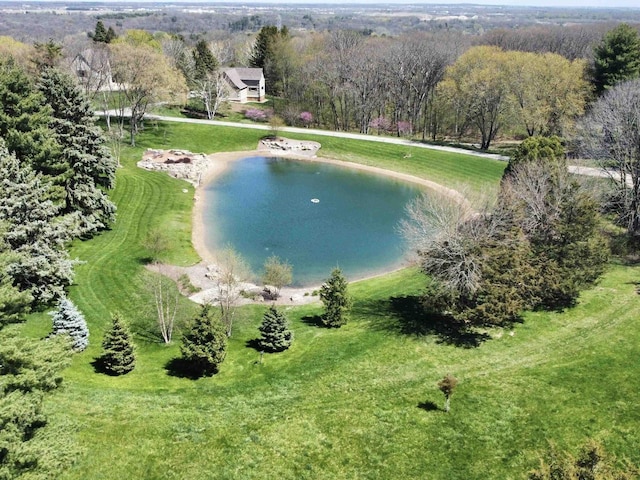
[(358, 402)]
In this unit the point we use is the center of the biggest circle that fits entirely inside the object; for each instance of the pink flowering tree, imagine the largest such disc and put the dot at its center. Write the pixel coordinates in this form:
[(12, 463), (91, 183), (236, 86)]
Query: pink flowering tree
[(306, 118), (404, 128), (381, 124), (256, 115)]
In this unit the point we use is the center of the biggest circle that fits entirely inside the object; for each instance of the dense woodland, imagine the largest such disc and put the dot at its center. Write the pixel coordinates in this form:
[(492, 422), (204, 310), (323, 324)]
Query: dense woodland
[(542, 240)]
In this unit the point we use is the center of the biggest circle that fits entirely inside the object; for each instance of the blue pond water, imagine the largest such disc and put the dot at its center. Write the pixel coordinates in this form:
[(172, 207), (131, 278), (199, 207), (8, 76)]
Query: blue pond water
[(263, 206)]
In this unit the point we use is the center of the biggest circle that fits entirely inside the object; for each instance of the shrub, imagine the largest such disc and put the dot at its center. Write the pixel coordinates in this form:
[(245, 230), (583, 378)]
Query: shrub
[(256, 115)]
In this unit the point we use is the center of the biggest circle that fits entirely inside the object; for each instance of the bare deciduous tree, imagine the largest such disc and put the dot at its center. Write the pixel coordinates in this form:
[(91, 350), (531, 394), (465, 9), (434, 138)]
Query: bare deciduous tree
[(165, 300), (610, 133), (233, 270)]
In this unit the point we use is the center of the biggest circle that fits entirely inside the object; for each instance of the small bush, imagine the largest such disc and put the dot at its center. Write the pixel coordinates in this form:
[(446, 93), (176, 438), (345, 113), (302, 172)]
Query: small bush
[(256, 115)]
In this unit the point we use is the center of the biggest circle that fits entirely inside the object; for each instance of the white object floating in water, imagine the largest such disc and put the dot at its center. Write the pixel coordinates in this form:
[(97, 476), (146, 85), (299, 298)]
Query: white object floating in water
[(315, 200)]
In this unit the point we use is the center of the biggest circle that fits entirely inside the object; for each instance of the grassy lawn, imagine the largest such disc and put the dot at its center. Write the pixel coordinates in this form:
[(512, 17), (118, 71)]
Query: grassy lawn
[(358, 402)]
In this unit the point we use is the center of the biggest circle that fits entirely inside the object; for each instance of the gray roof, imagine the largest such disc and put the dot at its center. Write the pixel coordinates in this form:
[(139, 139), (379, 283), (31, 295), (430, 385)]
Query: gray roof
[(243, 77)]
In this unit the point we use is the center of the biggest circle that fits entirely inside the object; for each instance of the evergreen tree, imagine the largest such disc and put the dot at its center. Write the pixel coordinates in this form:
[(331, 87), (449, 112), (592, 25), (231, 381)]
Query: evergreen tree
[(48, 54), (538, 148), (204, 61), (100, 33), (111, 35), (13, 302), (83, 149), (204, 345), (617, 58), (33, 232), (28, 370), (262, 47), (276, 336), (118, 355), (336, 299), (24, 124), (68, 320), (265, 52)]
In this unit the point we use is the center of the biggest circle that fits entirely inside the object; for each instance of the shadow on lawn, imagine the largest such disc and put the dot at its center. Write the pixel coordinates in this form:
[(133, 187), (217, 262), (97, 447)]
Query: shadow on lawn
[(428, 406), (314, 321), (178, 367), (406, 315)]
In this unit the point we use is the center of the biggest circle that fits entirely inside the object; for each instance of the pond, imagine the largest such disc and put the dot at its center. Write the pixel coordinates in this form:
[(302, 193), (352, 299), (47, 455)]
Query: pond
[(314, 215)]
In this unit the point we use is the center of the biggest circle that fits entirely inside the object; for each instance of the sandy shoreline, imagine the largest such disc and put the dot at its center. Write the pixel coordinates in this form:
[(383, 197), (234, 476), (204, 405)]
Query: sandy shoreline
[(217, 163)]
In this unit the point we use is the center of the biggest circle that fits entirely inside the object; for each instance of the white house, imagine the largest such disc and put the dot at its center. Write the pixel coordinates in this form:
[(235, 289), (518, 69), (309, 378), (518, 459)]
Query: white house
[(247, 84), (93, 69)]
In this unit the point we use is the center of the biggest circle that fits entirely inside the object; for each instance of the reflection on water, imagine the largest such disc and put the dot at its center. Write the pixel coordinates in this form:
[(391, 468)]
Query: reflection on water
[(313, 215)]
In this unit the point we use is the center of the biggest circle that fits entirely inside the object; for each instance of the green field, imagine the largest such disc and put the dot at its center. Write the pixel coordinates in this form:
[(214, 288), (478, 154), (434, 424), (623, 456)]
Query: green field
[(358, 402)]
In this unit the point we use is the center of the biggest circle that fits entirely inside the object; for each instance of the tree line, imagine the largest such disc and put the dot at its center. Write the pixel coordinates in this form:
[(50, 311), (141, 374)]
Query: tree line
[(55, 171)]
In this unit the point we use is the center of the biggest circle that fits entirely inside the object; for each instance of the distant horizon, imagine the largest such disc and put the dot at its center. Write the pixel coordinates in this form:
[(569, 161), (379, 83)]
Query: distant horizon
[(590, 4)]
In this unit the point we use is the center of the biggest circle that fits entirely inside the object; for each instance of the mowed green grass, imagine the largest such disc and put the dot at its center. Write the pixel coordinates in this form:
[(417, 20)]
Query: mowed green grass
[(357, 402)]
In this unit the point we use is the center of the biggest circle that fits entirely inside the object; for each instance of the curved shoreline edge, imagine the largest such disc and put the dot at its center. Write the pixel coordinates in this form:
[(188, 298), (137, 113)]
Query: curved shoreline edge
[(219, 162)]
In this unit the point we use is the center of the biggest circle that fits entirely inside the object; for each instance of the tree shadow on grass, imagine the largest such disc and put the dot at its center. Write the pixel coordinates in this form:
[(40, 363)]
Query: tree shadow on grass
[(179, 367), (407, 316), (428, 406), (99, 366), (313, 320), (255, 344)]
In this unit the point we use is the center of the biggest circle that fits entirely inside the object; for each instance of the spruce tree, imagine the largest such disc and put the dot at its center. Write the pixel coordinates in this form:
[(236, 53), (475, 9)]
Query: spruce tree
[(29, 369), (111, 35), (336, 299), (33, 231), (100, 33), (204, 60), (276, 336), (204, 345), (68, 320), (118, 357), (617, 58), (13, 302), (24, 124), (83, 149)]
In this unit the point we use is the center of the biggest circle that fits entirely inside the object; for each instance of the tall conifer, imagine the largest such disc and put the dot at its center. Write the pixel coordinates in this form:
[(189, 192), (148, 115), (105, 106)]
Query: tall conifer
[(118, 355)]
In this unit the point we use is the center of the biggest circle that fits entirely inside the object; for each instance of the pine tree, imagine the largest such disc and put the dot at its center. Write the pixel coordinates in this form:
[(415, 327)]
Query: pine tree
[(617, 58), (28, 370), (205, 62), (111, 35), (24, 124), (13, 302), (68, 320), (204, 345), (90, 166), (276, 336), (100, 34), (118, 356), (33, 231), (336, 299)]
